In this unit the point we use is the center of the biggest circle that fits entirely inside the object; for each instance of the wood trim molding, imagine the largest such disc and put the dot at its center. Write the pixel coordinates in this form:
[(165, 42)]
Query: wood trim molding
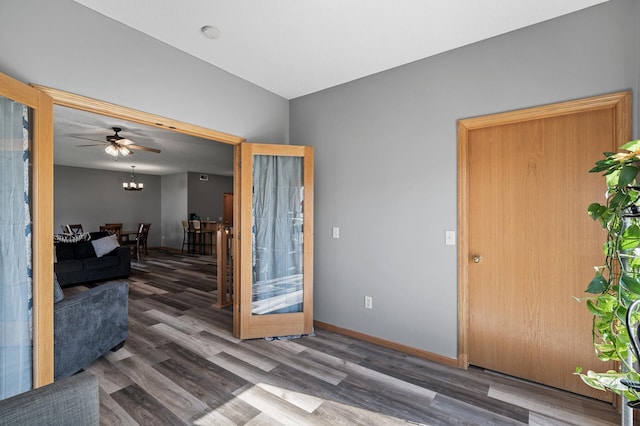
[(42, 99), (42, 243), (388, 344), (112, 110), (41, 158), (620, 105)]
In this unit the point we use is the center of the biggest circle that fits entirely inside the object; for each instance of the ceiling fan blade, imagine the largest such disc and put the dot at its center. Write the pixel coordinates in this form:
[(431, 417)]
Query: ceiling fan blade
[(143, 148), (87, 139)]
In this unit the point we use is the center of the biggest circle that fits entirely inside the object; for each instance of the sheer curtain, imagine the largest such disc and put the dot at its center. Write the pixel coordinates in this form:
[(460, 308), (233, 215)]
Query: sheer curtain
[(15, 251), (278, 195)]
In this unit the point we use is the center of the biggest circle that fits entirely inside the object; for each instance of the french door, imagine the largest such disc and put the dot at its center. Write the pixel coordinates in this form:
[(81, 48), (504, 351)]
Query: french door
[(274, 295), (26, 237), (273, 271)]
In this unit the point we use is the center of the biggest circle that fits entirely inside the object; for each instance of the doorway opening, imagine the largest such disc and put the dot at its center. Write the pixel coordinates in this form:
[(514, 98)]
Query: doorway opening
[(88, 106)]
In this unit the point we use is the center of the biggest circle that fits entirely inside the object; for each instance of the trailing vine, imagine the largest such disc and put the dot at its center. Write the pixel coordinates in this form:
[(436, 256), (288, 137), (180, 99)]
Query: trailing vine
[(616, 284)]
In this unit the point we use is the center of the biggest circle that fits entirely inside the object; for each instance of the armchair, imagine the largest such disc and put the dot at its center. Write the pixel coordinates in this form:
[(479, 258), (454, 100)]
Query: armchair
[(71, 401), (89, 324)]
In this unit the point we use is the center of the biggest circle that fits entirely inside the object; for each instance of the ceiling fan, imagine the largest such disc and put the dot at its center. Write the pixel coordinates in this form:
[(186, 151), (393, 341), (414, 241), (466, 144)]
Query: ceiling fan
[(117, 145)]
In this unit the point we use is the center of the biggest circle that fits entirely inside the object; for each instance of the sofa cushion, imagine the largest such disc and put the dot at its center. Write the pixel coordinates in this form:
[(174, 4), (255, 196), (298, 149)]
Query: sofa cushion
[(58, 295), (71, 265), (83, 250), (64, 251), (105, 245), (101, 262)]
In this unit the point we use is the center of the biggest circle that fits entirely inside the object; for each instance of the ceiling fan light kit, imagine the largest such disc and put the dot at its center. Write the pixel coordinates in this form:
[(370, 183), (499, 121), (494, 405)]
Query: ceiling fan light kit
[(133, 184), (117, 150), (117, 145)]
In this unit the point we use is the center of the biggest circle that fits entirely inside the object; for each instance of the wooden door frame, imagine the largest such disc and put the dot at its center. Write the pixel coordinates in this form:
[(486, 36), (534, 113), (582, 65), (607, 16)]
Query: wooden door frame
[(620, 105), (42, 220), (43, 225)]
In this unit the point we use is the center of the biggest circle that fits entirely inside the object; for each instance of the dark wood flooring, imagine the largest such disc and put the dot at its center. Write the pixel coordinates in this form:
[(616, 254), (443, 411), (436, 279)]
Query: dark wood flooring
[(182, 365)]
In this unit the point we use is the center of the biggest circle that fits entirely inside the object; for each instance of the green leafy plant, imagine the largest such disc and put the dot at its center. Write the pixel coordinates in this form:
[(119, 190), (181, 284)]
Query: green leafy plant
[(616, 284)]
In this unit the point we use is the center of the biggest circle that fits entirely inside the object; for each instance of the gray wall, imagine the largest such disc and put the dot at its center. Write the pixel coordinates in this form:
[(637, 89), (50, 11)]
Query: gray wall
[(205, 197), (62, 44), (95, 197), (385, 145), (175, 200), (385, 163)]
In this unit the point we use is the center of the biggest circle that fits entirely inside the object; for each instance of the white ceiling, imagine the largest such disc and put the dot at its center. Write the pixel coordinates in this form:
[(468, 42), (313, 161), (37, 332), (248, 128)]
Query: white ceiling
[(289, 47), (297, 47), (179, 152)]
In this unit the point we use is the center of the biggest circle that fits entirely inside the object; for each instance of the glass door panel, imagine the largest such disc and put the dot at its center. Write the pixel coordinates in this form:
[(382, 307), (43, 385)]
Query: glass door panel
[(278, 195), (275, 290)]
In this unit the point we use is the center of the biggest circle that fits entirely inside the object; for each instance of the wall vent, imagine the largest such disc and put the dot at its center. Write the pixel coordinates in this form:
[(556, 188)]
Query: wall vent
[(204, 177)]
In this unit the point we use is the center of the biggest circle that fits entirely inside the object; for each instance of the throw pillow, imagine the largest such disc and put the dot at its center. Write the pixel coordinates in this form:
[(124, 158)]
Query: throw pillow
[(105, 245), (66, 238), (58, 295)]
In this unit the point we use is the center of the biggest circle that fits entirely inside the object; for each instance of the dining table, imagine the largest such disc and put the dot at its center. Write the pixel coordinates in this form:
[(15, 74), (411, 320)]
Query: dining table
[(125, 236)]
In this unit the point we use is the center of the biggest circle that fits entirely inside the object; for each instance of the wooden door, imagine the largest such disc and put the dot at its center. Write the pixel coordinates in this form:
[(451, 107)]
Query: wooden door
[(274, 296), (530, 246)]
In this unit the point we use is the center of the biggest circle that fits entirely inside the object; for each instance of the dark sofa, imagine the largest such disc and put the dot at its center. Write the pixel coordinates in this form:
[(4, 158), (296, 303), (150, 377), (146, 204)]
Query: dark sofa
[(77, 262), (88, 324)]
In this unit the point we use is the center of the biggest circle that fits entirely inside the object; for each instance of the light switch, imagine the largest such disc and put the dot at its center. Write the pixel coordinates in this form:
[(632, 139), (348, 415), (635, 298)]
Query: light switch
[(336, 232), (450, 238)]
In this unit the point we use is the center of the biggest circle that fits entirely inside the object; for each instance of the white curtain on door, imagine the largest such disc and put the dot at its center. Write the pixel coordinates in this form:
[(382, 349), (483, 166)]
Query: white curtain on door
[(15, 251), (278, 195)]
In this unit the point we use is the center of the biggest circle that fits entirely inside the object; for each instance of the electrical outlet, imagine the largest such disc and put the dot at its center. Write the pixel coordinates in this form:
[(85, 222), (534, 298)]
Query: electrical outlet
[(368, 302), (336, 232)]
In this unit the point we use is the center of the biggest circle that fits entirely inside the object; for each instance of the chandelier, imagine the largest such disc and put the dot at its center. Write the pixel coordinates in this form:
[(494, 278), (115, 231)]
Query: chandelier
[(132, 185)]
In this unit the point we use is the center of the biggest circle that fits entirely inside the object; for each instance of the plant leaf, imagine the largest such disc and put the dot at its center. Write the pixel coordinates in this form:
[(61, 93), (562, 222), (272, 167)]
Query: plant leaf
[(631, 145), (627, 175), (596, 210), (630, 238), (597, 285)]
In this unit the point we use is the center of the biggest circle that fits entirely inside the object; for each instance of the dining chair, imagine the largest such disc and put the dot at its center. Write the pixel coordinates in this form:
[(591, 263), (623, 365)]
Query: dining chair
[(75, 229), (140, 241), (113, 228), (141, 238)]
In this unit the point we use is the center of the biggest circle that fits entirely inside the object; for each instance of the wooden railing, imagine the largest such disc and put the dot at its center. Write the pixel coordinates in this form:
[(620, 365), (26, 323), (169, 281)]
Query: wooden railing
[(224, 254)]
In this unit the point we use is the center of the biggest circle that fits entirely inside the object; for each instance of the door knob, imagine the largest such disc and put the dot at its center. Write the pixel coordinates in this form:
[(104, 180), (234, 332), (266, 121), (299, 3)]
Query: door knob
[(476, 258)]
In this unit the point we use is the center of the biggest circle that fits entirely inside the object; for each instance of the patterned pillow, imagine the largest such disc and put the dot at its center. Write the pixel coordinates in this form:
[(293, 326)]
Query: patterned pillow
[(66, 238), (105, 245)]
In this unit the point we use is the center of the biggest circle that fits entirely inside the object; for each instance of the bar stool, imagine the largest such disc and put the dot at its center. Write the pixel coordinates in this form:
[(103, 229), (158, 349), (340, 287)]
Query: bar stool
[(188, 237)]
